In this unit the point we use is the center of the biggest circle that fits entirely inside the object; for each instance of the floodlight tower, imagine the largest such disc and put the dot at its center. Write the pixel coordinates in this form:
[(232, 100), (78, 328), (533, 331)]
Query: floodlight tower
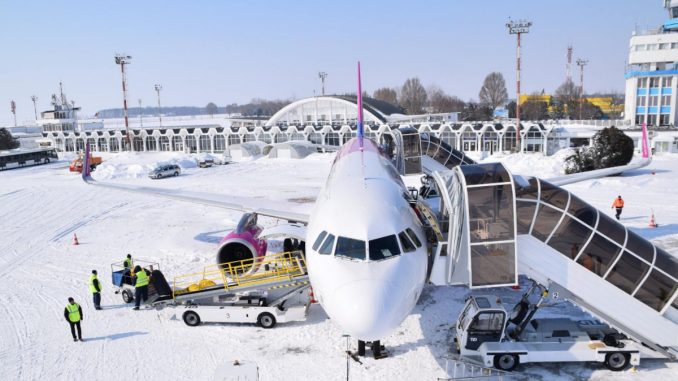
[(322, 76), (122, 60), (13, 108), (518, 28), (34, 98), (158, 87), (141, 120), (581, 63), (568, 74)]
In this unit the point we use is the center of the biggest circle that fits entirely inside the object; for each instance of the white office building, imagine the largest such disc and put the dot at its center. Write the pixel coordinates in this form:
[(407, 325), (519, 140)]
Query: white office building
[(652, 73)]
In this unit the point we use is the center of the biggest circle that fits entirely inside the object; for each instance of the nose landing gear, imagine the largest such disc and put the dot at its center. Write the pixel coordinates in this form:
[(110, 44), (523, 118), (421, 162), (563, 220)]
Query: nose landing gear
[(378, 350)]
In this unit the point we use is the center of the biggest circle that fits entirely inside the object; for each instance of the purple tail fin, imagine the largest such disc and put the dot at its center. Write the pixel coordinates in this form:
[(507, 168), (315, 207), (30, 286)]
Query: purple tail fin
[(644, 146), (361, 131)]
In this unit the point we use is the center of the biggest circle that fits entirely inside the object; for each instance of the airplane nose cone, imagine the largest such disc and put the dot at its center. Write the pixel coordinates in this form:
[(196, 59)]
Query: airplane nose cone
[(369, 308)]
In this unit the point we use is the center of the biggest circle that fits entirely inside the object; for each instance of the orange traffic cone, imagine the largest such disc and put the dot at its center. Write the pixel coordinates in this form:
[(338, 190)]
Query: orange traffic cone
[(310, 295), (653, 223), (75, 240)]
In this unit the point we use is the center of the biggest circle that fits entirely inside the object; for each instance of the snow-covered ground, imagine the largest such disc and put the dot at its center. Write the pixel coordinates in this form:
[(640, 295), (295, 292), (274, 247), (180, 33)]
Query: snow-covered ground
[(42, 207)]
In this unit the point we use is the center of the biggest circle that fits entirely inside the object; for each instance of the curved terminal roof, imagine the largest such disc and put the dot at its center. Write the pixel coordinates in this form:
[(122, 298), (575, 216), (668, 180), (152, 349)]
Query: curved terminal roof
[(333, 108)]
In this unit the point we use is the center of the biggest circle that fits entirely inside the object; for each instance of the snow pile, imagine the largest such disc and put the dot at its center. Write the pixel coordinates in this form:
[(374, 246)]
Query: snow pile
[(533, 164), (129, 165)]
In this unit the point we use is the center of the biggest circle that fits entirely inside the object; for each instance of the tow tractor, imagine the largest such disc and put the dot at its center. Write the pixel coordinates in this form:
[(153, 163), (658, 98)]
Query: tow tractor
[(266, 291), (501, 339), (76, 164)]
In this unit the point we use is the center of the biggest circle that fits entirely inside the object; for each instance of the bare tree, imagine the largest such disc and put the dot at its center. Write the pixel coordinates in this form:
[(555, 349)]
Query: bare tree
[(211, 109), (386, 94), (440, 102), (534, 109), (413, 96), (566, 100), (493, 93)]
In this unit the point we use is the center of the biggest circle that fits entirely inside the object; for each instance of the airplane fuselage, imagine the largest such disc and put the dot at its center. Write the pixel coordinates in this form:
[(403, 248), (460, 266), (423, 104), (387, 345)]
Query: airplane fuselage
[(366, 249)]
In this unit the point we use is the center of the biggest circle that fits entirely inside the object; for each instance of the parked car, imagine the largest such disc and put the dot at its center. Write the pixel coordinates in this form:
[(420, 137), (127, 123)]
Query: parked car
[(223, 159), (166, 170)]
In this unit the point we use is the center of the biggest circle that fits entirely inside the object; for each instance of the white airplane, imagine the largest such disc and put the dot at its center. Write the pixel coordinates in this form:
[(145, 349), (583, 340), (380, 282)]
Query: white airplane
[(366, 250)]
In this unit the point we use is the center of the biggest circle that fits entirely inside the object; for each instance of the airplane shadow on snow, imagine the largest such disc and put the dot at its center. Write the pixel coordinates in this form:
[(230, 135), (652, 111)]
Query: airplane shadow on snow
[(212, 237)]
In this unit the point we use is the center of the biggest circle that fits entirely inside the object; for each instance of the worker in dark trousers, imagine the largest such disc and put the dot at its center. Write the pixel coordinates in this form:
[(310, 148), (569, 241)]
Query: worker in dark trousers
[(140, 286), (95, 289), (618, 204), (73, 315)]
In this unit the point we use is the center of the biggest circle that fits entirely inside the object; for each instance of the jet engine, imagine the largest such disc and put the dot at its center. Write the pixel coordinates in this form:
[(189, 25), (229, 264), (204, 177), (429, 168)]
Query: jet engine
[(242, 244)]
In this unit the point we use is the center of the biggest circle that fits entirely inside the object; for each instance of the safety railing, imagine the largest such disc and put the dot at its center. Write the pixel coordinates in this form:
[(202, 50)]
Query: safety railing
[(248, 272)]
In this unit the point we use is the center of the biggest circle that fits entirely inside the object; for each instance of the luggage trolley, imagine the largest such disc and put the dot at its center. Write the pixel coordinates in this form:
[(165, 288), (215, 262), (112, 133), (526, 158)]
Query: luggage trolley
[(123, 279)]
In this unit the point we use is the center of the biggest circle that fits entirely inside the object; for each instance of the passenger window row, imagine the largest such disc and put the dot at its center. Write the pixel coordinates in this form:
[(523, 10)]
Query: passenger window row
[(597, 242), (380, 248)]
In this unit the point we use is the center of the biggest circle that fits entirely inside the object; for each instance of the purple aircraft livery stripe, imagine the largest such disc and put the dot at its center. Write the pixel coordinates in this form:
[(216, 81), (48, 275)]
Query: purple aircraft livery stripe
[(360, 111)]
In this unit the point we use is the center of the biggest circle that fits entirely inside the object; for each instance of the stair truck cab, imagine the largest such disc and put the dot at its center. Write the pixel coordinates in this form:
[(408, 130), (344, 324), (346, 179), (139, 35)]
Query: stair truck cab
[(503, 339)]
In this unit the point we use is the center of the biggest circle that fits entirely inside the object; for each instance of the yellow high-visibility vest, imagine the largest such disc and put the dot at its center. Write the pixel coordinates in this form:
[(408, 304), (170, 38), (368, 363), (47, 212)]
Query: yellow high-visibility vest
[(73, 312), (91, 284), (142, 279)]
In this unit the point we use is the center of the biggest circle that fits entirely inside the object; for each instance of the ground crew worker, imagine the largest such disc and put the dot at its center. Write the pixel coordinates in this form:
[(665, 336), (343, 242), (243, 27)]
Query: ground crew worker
[(73, 315), (618, 204), (95, 289), (141, 286), (128, 272)]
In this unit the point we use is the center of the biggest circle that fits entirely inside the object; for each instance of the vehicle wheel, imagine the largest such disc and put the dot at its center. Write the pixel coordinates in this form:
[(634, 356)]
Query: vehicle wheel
[(176, 174), (46, 161), (191, 318), (127, 296), (266, 320), (616, 361), (506, 362)]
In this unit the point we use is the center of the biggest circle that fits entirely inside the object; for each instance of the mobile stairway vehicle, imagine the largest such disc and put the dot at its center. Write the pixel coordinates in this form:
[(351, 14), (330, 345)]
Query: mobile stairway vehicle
[(504, 339), (266, 291)]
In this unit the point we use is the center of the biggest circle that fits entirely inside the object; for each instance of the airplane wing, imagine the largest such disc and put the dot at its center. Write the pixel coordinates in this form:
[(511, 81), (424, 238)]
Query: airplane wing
[(242, 204)]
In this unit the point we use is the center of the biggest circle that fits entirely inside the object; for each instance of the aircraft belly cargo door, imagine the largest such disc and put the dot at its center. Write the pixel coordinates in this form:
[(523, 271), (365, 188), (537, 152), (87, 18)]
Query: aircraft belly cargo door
[(479, 202)]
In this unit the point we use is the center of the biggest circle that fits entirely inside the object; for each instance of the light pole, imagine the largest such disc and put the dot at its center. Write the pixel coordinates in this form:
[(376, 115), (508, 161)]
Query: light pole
[(322, 76), (581, 63), (141, 120), (158, 87), (122, 60), (518, 28), (35, 108), (13, 108)]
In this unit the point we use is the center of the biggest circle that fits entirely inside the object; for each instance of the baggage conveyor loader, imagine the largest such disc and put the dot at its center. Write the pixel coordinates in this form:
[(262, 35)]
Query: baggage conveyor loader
[(266, 291)]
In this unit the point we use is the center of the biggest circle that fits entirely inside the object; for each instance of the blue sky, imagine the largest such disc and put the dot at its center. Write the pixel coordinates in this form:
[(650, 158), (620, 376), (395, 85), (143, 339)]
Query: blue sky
[(231, 51)]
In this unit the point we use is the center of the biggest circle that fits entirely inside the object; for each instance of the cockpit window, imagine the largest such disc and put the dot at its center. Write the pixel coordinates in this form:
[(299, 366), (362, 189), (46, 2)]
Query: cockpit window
[(384, 247), (327, 246), (351, 248), (405, 242), (319, 240), (413, 237)]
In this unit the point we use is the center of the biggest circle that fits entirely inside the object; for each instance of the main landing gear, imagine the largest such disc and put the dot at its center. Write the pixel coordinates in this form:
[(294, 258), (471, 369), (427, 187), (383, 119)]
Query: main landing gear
[(378, 350)]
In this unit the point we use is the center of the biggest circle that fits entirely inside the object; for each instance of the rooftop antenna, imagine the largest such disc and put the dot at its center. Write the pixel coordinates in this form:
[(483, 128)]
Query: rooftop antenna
[(122, 60), (322, 76)]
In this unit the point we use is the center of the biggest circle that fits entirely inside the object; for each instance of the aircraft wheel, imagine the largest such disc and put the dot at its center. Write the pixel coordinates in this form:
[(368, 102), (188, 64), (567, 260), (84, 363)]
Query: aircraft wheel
[(127, 296), (266, 320), (506, 362), (191, 318), (617, 361)]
